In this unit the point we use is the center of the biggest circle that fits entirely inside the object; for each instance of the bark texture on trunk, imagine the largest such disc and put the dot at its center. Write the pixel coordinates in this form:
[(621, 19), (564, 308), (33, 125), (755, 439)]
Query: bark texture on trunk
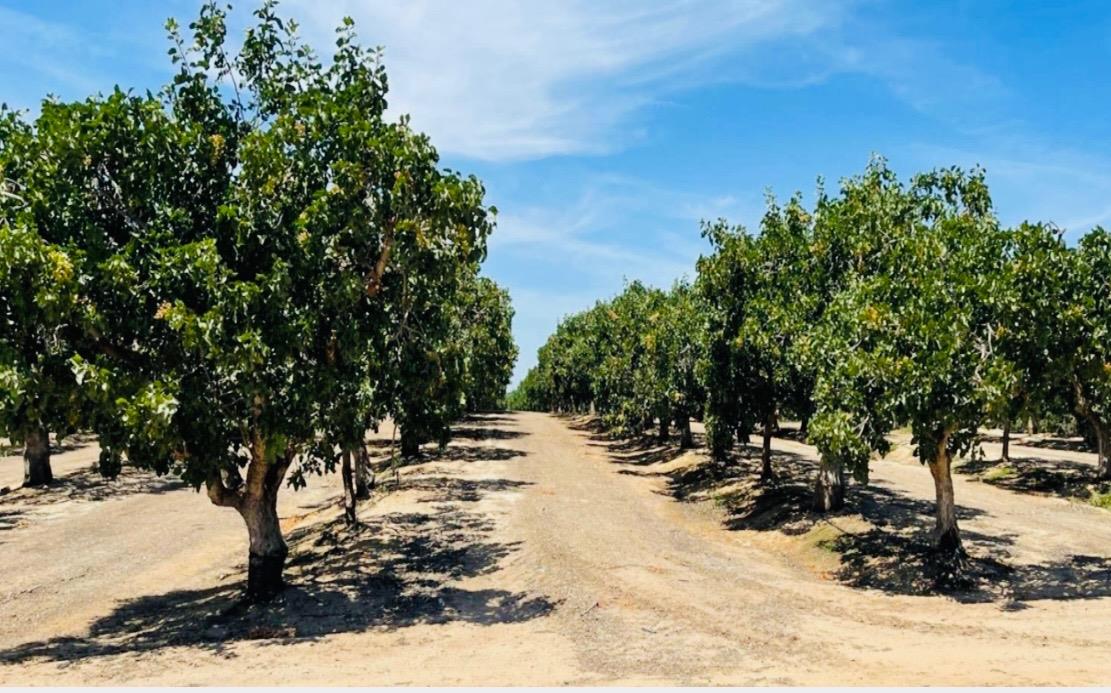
[(364, 477), (349, 514), (947, 538), (36, 458), (1007, 440), (766, 452), (256, 499), (829, 490)]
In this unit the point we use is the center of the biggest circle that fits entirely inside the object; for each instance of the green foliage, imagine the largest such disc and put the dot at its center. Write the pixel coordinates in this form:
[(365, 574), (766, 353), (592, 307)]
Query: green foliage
[(490, 352), (910, 338), (763, 294)]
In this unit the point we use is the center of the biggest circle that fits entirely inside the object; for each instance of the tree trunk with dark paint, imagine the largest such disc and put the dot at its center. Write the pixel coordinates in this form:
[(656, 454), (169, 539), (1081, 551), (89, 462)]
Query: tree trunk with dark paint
[(256, 499), (665, 431), (268, 551), (686, 439), (1007, 440), (829, 490), (36, 458), (766, 452), (364, 476), (349, 513), (947, 537)]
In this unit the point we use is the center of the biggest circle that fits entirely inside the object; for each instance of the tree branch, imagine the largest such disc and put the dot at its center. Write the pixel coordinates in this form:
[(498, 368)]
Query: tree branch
[(374, 280), (219, 493)]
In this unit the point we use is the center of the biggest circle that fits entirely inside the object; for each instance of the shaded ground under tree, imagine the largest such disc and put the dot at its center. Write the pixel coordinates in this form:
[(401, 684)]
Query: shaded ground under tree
[(1068, 479), (893, 553), (391, 571)]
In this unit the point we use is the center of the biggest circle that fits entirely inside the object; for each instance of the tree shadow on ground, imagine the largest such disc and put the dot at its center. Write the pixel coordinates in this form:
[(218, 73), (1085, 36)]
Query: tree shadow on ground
[(882, 539), (384, 458), (390, 572), (583, 422), (90, 485), (484, 433), (491, 417), (1073, 444), (1070, 479), (11, 519)]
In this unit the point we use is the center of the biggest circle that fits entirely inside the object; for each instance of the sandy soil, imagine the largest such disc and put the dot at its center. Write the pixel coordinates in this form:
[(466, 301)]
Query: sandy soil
[(534, 551)]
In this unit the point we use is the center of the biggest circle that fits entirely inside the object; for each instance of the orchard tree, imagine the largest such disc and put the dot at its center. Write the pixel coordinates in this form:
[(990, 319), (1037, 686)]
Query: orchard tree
[(629, 392), (490, 352), (675, 348), (761, 304), (850, 231), (780, 310), (80, 182), (427, 353), (914, 341), (38, 299), (1031, 367), (256, 229), (727, 280), (1084, 347)]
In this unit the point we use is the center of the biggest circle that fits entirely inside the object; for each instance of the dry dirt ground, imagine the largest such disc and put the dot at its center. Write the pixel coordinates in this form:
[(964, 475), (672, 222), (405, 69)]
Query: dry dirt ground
[(537, 551)]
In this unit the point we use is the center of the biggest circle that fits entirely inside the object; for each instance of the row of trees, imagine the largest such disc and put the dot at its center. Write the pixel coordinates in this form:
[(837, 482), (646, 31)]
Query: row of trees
[(888, 304), (233, 279)]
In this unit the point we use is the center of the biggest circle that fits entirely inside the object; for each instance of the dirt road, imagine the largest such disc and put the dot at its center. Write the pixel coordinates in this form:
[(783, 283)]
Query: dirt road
[(531, 552)]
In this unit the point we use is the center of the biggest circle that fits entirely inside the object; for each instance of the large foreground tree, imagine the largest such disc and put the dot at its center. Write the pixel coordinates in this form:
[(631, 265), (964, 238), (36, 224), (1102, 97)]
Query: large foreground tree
[(242, 245)]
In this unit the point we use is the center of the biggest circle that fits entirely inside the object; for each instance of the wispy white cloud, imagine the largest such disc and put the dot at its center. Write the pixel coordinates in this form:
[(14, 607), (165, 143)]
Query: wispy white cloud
[(503, 80), (617, 227)]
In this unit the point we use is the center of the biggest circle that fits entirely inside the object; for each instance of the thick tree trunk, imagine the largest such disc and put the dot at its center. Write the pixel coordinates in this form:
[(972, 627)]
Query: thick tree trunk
[(829, 490), (409, 445), (947, 538), (1007, 440), (364, 476), (686, 439), (36, 458), (766, 452), (665, 431), (349, 514), (266, 557), (256, 499)]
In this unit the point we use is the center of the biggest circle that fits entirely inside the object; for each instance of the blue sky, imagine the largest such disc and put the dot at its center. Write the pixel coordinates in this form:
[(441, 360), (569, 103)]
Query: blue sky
[(605, 131)]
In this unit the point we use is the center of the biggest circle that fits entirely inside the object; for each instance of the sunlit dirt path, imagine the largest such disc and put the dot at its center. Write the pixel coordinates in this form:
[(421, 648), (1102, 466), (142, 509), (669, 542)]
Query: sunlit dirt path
[(528, 552)]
